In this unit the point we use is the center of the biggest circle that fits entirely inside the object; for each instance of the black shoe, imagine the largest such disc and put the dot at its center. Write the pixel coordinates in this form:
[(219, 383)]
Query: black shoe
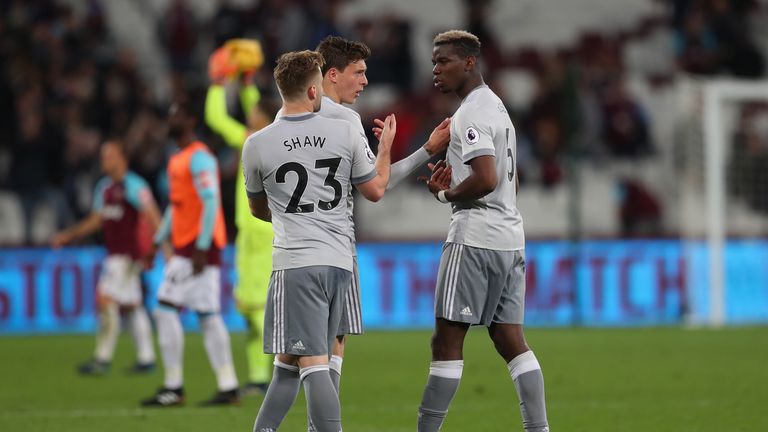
[(165, 398), (253, 389), (141, 368), (229, 397), (93, 367)]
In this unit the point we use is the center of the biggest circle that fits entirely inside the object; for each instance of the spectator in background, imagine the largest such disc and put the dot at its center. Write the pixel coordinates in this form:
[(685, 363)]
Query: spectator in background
[(738, 53), (391, 62), (544, 123), (325, 20), (34, 178), (273, 17), (548, 140), (228, 23), (625, 127), (698, 51), (477, 23), (639, 210), (178, 33)]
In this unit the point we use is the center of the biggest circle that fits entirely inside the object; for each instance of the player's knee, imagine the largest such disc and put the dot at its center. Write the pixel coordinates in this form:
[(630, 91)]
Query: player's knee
[(509, 344), (103, 302), (444, 348)]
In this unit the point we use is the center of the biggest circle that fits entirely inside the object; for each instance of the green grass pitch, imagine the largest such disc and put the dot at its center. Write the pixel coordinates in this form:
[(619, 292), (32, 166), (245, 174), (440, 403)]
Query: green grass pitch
[(658, 379)]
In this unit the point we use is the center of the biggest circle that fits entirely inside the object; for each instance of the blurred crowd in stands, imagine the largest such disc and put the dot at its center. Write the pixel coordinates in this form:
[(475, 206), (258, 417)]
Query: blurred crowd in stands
[(66, 85)]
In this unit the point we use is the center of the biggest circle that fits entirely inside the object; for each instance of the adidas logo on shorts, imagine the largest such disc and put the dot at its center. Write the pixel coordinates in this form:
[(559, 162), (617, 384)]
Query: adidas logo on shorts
[(466, 311), (299, 346)]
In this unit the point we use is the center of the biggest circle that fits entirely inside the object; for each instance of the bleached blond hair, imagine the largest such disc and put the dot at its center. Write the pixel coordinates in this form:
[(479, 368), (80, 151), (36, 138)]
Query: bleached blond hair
[(466, 43)]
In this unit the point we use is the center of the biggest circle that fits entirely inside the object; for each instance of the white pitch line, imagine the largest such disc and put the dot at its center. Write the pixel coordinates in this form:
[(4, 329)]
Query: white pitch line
[(97, 413)]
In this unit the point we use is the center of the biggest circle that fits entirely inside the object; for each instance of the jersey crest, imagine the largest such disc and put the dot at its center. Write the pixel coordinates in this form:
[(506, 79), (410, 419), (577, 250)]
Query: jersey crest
[(471, 135)]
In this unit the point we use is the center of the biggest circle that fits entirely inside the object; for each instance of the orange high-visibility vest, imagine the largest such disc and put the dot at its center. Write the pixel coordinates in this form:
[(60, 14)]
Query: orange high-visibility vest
[(187, 205)]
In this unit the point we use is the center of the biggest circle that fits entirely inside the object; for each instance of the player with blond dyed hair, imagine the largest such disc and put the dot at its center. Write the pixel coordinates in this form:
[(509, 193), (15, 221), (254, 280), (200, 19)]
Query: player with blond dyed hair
[(481, 280)]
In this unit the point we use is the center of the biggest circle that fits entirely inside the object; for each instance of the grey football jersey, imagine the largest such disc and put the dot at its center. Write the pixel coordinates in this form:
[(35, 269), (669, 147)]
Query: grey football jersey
[(481, 126), (331, 109), (306, 164)]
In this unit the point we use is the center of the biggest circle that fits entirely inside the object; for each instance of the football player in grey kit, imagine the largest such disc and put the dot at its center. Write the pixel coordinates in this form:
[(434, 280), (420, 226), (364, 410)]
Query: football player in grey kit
[(481, 280), (343, 81), (298, 172)]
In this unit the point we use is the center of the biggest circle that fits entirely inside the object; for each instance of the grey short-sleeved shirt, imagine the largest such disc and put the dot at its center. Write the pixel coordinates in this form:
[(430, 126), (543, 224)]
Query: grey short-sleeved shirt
[(306, 164), (480, 127), (331, 109)]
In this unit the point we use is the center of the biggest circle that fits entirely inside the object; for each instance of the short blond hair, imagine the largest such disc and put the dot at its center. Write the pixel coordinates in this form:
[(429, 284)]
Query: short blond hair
[(466, 43), (295, 70)]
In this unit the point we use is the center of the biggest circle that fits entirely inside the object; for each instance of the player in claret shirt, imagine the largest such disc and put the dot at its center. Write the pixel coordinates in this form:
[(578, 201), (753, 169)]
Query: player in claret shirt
[(121, 199)]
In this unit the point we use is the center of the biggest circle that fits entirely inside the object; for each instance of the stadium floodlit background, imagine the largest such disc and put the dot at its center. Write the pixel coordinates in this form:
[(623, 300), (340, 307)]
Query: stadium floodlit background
[(642, 131)]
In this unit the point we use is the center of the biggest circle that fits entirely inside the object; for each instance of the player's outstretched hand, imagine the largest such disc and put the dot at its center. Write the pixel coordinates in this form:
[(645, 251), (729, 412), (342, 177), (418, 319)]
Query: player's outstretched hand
[(388, 131), (380, 124), (59, 239), (441, 177), (378, 128), (439, 138), (220, 67)]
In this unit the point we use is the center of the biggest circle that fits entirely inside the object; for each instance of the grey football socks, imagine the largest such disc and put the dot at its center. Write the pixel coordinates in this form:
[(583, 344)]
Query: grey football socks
[(280, 396), (442, 384), (322, 399), (335, 370), (334, 366), (529, 383)]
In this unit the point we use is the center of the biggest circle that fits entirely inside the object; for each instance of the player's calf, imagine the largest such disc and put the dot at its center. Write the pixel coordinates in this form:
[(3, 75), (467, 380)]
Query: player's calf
[(280, 395), (322, 399)]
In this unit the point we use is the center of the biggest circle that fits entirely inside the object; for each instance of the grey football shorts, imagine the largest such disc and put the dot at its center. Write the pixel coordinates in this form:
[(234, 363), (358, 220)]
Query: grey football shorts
[(480, 286), (352, 315), (304, 307)]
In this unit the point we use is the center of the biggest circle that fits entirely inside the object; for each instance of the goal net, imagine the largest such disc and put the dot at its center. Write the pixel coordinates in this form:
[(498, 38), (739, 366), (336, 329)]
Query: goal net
[(721, 157)]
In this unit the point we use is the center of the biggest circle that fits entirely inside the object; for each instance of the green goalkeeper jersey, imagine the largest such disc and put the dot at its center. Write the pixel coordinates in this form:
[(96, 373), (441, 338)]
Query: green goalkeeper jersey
[(234, 134)]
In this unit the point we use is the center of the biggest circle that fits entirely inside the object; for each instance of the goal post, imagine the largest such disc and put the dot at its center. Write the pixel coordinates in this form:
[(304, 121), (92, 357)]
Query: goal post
[(716, 94)]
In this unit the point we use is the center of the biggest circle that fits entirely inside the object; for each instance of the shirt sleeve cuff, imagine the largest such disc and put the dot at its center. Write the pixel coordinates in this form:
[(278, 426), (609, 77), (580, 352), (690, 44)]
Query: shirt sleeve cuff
[(254, 194), (479, 152), (365, 178)]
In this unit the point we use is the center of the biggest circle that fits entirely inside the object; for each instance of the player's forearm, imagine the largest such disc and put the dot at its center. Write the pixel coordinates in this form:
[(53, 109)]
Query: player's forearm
[(165, 227), (207, 221), (263, 214), (400, 170), (86, 227), (152, 214), (259, 207), (383, 169), (249, 98), (216, 117), (474, 187)]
